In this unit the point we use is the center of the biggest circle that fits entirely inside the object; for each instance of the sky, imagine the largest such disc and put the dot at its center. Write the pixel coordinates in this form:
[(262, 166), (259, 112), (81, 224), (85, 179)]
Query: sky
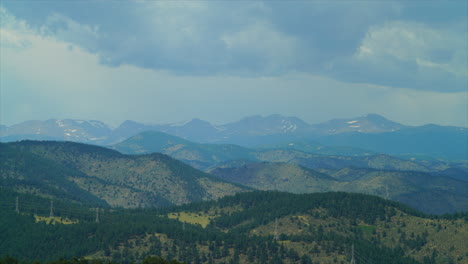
[(171, 61)]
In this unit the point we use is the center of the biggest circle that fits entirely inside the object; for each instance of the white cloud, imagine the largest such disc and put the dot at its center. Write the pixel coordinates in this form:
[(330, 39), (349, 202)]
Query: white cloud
[(416, 42), (413, 55), (13, 32)]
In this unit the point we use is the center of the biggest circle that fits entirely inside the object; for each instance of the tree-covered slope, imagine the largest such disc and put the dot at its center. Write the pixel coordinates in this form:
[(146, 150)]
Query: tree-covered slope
[(130, 181), (27, 172), (276, 176), (309, 228), (428, 193), (423, 191), (320, 223)]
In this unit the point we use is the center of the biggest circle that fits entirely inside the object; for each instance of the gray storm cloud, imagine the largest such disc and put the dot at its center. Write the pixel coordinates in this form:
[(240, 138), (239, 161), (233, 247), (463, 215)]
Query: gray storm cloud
[(389, 43)]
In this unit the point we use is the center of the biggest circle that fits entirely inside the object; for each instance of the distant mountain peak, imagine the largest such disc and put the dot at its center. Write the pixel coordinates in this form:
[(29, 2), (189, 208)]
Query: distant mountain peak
[(377, 118), (374, 115), (266, 125), (128, 123), (197, 121), (370, 123)]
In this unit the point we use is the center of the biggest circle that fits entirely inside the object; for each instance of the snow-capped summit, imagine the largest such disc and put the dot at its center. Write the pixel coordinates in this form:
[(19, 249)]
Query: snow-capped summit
[(266, 125), (371, 123), (59, 129)]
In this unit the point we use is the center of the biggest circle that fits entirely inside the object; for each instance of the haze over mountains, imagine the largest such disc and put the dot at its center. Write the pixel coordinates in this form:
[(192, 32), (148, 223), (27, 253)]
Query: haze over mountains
[(148, 178), (196, 129), (296, 171), (154, 169), (370, 133), (368, 154)]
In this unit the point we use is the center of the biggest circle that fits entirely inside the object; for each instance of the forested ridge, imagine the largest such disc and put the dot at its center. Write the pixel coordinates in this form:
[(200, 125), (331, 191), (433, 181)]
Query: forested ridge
[(148, 260), (241, 230), (87, 173)]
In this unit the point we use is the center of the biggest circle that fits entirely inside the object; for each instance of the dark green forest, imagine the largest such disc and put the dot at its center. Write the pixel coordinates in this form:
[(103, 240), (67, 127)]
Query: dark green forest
[(148, 260), (227, 238)]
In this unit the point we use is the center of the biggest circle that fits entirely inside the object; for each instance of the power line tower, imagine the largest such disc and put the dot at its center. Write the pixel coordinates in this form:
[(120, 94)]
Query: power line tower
[(97, 214), (276, 236), (17, 205), (51, 215), (353, 261)]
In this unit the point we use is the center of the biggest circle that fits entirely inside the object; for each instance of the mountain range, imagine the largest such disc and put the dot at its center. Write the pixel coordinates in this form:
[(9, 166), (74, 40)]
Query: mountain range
[(91, 193), (80, 172), (204, 156), (366, 134), (156, 168), (427, 193), (303, 172)]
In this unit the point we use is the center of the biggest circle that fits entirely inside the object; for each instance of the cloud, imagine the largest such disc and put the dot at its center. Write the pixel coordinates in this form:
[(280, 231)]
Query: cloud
[(68, 30), (267, 50), (46, 79), (406, 54), (398, 44)]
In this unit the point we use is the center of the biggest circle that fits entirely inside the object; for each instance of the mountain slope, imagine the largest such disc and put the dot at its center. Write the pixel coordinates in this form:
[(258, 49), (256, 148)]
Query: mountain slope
[(26, 172), (203, 156), (91, 131), (309, 228), (276, 176), (197, 155), (431, 140), (360, 135), (196, 130), (318, 148), (314, 161), (148, 180), (268, 125), (425, 192), (371, 123)]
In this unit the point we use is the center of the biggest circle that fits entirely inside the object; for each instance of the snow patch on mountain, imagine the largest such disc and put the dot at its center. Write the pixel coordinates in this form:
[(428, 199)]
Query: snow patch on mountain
[(59, 123)]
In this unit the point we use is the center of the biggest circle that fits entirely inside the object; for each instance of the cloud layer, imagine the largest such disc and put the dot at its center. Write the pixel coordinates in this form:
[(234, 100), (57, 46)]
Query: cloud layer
[(384, 43), (162, 61)]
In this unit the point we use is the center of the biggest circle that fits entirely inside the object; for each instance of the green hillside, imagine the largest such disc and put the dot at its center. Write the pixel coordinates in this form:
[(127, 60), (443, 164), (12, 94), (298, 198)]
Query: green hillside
[(425, 192), (26, 172), (277, 176), (120, 180), (310, 228), (432, 186)]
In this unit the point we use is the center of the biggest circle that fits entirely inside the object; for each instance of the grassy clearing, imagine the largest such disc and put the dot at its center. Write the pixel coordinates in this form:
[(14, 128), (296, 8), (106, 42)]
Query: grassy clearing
[(192, 218), (55, 220), (367, 230)]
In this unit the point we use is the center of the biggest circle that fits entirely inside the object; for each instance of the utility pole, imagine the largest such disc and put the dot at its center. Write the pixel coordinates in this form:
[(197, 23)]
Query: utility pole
[(183, 226), (353, 261), (97, 214), (51, 215), (17, 205), (276, 236)]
